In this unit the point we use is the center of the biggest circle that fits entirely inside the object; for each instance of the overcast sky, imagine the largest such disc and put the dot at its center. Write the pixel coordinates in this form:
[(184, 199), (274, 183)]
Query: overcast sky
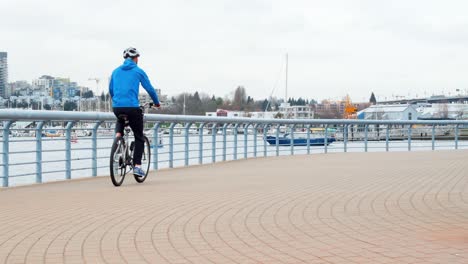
[(335, 47)]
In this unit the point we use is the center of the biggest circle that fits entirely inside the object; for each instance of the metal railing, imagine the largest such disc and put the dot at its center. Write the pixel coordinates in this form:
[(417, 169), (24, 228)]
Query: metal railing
[(41, 146)]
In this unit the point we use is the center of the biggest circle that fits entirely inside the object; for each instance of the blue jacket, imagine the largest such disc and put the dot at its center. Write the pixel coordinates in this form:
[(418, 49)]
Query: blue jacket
[(125, 83)]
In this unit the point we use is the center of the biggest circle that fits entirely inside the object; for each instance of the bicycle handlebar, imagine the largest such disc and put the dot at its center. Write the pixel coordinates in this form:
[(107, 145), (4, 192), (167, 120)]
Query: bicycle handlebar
[(148, 105)]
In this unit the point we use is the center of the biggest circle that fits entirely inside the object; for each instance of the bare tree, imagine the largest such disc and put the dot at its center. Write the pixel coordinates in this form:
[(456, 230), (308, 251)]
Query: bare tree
[(240, 98)]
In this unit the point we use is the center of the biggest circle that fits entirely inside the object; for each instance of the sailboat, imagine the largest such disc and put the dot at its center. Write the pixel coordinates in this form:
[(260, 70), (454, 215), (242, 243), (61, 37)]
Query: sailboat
[(300, 138)]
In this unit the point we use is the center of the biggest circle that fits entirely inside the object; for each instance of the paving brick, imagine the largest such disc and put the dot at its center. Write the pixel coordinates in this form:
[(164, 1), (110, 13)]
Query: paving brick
[(405, 207)]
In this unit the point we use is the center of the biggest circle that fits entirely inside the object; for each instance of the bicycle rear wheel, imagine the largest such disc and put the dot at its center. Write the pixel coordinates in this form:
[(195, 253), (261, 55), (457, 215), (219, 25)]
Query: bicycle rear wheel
[(145, 160), (118, 168)]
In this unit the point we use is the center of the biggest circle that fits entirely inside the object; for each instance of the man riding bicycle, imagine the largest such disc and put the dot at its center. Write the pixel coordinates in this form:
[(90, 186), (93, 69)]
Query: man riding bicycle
[(123, 88)]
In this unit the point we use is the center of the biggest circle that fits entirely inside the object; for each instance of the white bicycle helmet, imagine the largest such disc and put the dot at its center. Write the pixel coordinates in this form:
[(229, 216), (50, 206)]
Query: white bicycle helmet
[(131, 53)]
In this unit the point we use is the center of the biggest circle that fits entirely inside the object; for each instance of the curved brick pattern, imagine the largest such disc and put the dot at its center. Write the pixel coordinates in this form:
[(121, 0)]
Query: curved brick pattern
[(335, 208)]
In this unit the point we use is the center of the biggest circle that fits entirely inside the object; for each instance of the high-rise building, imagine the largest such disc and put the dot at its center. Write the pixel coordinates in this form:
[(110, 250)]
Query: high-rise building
[(3, 75)]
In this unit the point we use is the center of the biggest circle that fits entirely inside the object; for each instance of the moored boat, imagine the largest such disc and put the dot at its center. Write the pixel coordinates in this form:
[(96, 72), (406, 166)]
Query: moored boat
[(287, 140)]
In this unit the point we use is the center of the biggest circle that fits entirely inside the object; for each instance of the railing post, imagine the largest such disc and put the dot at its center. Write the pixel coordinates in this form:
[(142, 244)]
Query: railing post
[(171, 145), (265, 152), (308, 139), (293, 127), (94, 147), (224, 141), (387, 137), (345, 138), (235, 142), (39, 151), (156, 145), (277, 140), (326, 139), (187, 147), (68, 149), (433, 137), (6, 150), (200, 143), (366, 132), (246, 137), (213, 143), (255, 134), (456, 136), (409, 137)]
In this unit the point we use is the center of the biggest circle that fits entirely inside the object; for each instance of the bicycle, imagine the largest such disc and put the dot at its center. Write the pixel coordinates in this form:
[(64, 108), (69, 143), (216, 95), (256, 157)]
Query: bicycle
[(121, 156)]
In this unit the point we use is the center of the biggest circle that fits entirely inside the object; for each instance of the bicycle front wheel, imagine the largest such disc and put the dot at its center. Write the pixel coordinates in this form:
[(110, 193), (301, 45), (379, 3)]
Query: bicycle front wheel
[(145, 160), (118, 166)]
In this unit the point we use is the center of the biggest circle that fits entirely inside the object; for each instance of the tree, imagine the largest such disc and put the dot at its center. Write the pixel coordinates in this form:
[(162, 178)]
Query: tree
[(70, 106), (372, 99), (266, 105), (208, 104), (22, 104), (194, 104), (196, 97), (219, 101), (240, 98), (88, 94)]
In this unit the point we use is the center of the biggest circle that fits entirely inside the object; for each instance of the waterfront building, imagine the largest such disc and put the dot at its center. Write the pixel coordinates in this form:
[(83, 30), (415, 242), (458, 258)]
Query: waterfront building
[(144, 97), (227, 113), (266, 115), (389, 112), (20, 88), (296, 111)]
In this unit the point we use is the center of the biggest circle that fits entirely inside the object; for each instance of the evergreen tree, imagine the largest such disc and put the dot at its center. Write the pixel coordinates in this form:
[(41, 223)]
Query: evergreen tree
[(372, 99), (70, 106), (219, 101), (265, 104), (88, 94)]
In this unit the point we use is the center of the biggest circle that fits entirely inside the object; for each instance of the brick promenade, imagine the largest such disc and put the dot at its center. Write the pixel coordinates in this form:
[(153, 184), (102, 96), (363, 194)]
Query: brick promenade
[(334, 208)]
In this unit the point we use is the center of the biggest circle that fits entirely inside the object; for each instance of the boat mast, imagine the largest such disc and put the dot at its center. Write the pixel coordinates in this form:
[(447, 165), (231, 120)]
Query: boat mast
[(184, 105), (286, 86)]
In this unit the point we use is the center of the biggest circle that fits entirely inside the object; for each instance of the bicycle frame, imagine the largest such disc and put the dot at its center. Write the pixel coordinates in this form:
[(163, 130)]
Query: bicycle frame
[(127, 157)]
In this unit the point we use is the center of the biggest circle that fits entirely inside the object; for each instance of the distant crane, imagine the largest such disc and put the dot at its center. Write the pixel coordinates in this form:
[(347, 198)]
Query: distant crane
[(350, 110)]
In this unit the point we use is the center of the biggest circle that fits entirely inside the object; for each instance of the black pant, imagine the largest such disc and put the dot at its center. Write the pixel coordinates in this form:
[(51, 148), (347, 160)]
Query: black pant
[(135, 120)]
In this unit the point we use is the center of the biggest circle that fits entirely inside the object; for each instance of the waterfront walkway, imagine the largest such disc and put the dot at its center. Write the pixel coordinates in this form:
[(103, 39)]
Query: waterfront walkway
[(406, 207)]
